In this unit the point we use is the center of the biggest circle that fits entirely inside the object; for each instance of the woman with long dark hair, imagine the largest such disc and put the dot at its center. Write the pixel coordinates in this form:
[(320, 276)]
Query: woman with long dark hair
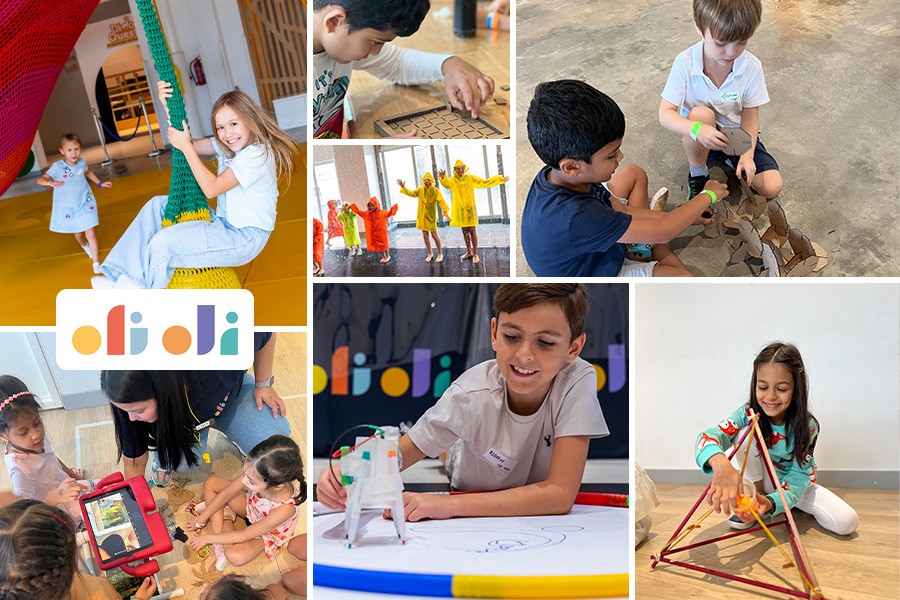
[(171, 412)]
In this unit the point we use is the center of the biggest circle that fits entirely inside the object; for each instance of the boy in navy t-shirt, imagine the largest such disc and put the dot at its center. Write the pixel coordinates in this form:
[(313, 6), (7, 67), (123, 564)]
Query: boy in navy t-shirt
[(570, 225)]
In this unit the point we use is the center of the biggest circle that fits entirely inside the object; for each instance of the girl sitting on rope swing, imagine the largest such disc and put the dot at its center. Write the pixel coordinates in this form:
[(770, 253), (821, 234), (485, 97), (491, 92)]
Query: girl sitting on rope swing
[(253, 156)]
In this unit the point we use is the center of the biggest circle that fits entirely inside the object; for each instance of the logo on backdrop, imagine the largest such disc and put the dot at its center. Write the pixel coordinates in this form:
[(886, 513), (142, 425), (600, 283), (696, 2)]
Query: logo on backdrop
[(395, 381), (154, 329)]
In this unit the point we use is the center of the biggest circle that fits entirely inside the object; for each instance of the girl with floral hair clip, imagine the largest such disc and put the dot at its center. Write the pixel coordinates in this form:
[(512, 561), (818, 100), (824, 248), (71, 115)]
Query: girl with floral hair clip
[(34, 469)]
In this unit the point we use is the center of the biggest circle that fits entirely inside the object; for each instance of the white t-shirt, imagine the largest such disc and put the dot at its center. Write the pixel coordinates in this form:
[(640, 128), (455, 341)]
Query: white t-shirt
[(688, 87), (252, 202), (331, 80), (498, 448)]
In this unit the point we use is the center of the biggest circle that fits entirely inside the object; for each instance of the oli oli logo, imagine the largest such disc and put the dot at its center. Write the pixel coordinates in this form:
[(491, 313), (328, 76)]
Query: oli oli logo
[(154, 329), (395, 381)]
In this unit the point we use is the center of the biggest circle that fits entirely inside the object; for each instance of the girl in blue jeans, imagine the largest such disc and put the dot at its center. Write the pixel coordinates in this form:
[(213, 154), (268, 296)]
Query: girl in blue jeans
[(253, 155)]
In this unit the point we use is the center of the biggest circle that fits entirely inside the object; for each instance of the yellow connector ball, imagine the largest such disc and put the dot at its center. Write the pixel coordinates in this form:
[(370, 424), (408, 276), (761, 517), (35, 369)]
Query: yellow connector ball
[(743, 502)]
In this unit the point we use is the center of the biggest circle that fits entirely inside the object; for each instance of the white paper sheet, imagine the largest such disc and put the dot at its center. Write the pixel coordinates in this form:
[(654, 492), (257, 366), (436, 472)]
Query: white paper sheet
[(588, 540)]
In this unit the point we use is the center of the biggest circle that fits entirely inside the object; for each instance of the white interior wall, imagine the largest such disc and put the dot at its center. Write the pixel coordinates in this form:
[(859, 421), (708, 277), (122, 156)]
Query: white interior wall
[(92, 51), (351, 164), (18, 359), (695, 344), (211, 30)]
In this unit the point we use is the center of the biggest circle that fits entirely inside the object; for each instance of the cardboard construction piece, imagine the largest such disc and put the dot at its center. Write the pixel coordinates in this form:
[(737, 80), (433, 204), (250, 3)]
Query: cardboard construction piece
[(810, 586), (440, 122), (738, 140), (751, 244), (803, 260), (719, 216)]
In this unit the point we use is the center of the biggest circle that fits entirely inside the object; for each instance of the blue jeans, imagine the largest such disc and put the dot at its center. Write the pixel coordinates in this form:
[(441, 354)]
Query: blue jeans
[(242, 423), (147, 253)]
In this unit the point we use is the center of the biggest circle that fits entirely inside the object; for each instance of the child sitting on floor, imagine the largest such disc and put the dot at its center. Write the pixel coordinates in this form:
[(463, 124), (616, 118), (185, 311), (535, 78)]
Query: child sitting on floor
[(376, 220), (34, 469), (74, 206), (38, 547), (253, 155), (351, 229), (265, 495), (354, 34), (430, 199), (570, 225), (516, 428), (779, 394)]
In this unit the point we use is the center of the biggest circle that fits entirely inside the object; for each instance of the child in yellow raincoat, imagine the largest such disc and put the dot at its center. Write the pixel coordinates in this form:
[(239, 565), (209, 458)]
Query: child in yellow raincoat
[(351, 231), (463, 213), (430, 198)]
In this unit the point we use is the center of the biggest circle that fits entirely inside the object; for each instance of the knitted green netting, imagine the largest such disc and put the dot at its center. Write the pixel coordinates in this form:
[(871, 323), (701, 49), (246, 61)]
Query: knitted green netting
[(186, 200)]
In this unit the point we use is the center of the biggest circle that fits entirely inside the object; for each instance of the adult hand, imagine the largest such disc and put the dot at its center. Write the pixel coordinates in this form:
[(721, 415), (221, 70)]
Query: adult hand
[(712, 138), (330, 492), (463, 79), (270, 398), (147, 589)]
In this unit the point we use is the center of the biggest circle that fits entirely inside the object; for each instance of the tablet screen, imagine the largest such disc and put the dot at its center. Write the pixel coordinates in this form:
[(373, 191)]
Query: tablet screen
[(118, 524)]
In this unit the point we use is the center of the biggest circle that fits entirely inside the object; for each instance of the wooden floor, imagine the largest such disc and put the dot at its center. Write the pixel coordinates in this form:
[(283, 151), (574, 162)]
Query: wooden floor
[(85, 438), (864, 565), (43, 262)]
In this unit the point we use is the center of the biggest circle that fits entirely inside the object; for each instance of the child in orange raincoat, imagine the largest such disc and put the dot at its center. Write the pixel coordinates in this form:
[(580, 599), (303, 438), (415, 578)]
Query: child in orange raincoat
[(375, 219), (430, 198), (318, 247), (335, 228), (463, 212)]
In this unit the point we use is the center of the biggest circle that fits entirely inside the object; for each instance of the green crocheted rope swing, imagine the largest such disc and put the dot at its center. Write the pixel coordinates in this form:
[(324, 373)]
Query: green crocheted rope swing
[(186, 200)]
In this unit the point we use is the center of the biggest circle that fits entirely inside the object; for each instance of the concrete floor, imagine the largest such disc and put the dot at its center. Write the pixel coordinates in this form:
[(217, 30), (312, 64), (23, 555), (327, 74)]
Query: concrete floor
[(833, 74)]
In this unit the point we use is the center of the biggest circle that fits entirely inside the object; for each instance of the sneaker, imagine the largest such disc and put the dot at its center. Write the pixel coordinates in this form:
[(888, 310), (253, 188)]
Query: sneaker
[(96, 268), (221, 561), (695, 187), (658, 201), (639, 252), (735, 522), (99, 282)]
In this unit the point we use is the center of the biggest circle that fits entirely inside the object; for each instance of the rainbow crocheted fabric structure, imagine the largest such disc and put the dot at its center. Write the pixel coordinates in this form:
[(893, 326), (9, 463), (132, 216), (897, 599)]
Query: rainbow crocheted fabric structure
[(38, 37), (186, 200)]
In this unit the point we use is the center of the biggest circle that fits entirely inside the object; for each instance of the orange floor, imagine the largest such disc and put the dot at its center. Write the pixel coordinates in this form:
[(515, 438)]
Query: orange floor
[(37, 263)]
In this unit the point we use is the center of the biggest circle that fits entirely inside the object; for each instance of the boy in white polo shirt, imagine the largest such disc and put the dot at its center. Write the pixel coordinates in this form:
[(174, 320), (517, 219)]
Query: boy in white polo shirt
[(715, 82), (517, 427)]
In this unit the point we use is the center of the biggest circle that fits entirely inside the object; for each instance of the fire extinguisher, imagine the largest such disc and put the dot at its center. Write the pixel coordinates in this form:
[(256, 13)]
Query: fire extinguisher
[(197, 74)]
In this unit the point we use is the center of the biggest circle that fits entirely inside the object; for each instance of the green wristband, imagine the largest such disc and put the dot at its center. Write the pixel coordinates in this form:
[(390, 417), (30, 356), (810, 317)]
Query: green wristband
[(712, 195), (695, 130)]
